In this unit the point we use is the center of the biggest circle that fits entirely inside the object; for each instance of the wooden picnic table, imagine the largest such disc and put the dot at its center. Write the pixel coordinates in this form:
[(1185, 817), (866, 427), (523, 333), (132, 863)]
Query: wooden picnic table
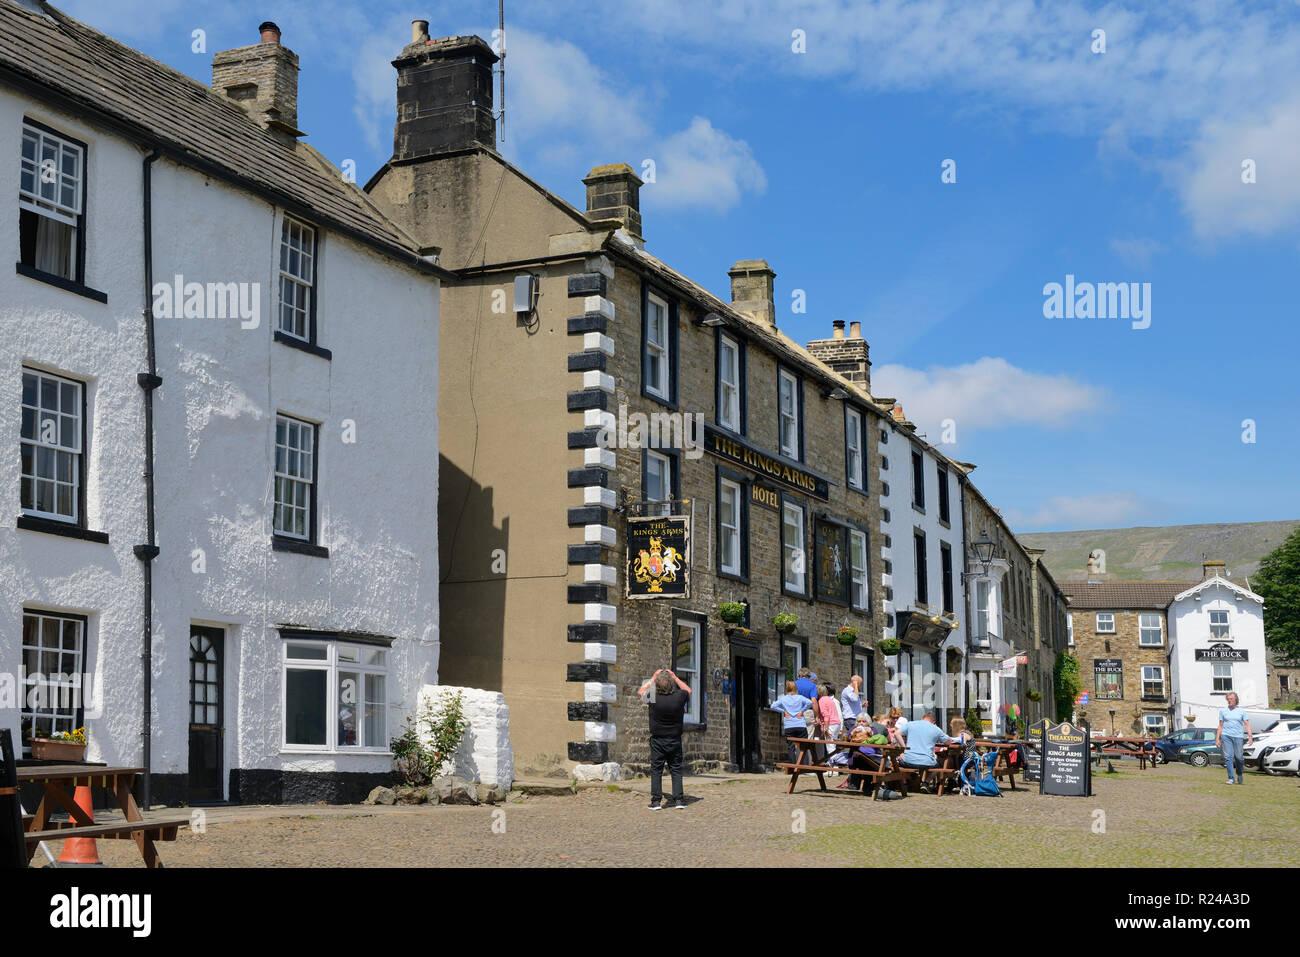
[(1144, 749), (59, 782), (947, 763)]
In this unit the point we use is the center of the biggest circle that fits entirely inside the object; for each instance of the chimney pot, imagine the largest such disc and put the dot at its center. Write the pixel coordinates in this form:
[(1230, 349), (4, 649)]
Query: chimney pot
[(897, 413), (838, 326), (855, 330), (419, 30), (270, 32)]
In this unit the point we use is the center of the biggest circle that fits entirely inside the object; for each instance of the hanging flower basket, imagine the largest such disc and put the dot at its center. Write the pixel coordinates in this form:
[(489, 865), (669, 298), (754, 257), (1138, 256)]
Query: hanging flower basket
[(732, 612), (847, 635), (889, 646), (1034, 695), (786, 622)]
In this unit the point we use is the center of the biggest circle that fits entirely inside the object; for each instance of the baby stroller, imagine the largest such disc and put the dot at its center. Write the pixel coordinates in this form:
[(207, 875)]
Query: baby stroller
[(976, 775)]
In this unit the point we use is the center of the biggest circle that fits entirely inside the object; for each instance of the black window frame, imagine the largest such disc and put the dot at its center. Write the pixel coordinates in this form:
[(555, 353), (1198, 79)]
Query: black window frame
[(286, 543), (674, 457), (949, 595), (696, 618), (945, 507), (80, 528), (861, 413), (311, 344), (77, 284), (742, 375), (799, 410), (918, 480), (674, 317), (802, 504), (79, 716), (746, 485), (921, 566)]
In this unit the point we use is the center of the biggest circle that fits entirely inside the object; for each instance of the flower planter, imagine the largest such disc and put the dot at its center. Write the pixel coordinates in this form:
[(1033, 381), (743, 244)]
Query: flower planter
[(43, 749), (889, 646), (847, 640)]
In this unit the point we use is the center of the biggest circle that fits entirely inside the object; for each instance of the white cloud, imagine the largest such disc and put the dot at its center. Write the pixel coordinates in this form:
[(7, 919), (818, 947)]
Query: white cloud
[(1216, 199), (1136, 251), (1065, 512), (984, 394), (703, 166)]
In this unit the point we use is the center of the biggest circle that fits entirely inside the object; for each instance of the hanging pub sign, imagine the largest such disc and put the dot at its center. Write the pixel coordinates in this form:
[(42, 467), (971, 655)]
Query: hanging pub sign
[(1222, 652), (1108, 677), (1066, 768), (831, 550), (732, 449), (658, 556)]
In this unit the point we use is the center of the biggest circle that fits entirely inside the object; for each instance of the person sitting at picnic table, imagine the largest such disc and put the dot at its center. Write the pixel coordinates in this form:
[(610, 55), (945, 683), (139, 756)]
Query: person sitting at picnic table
[(792, 706), (890, 729), (900, 722), (921, 738), (957, 729), (865, 756)]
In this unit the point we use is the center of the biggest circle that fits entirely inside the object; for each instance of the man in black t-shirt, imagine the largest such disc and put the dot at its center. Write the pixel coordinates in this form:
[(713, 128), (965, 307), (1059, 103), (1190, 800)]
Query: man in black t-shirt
[(668, 702)]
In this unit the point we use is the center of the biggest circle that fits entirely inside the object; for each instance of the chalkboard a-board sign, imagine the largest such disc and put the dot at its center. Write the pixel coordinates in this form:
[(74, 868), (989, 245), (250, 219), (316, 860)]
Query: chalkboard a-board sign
[(1034, 750), (1066, 766)]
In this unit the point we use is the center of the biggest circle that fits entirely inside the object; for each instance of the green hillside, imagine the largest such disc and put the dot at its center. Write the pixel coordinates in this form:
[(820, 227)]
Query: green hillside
[(1171, 552)]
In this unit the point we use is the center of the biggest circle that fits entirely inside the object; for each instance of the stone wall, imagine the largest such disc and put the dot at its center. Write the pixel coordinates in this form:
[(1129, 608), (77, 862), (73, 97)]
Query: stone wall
[(1089, 645), (484, 755)]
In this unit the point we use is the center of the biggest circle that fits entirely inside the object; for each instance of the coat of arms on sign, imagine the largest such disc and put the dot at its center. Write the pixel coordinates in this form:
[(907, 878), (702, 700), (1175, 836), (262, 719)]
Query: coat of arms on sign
[(657, 565)]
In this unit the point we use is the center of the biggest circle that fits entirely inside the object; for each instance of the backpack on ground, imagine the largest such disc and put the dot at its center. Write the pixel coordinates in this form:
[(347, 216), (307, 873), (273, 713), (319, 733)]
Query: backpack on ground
[(977, 776)]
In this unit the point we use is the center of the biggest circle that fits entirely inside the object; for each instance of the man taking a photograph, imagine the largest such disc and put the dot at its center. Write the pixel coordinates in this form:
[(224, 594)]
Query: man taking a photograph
[(668, 704)]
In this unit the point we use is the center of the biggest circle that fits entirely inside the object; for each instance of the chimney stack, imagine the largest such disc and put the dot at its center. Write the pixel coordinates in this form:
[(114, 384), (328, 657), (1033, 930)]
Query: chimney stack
[(752, 282), (444, 95), (1210, 569), (263, 80), (848, 357), (614, 193)]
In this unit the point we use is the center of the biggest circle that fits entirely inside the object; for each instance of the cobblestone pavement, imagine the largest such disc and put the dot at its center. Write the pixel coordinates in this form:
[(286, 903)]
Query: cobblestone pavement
[(1170, 816)]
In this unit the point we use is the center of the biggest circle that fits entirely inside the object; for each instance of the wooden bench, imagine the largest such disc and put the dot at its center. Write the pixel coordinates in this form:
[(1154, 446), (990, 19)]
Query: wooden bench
[(160, 830)]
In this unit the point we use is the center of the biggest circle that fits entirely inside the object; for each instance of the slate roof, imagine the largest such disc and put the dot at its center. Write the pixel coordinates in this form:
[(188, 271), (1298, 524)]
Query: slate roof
[(1118, 596), (86, 72)]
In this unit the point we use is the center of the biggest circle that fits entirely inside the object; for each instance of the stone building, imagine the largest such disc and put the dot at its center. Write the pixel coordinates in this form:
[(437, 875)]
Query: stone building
[(1121, 638), (1283, 681), (200, 572), (769, 453)]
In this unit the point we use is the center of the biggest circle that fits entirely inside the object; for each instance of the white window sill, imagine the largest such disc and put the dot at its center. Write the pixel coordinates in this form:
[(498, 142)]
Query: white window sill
[(366, 752)]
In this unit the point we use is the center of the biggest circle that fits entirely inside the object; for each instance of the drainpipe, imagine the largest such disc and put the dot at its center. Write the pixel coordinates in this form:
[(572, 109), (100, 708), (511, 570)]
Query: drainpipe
[(148, 381), (966, 601)]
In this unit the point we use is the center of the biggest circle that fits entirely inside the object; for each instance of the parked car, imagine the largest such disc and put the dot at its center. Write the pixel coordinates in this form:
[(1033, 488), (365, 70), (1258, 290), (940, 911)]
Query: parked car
[(1280, 726), (1282, 758), (1202, 754), (1170, 747), (1256, 752)]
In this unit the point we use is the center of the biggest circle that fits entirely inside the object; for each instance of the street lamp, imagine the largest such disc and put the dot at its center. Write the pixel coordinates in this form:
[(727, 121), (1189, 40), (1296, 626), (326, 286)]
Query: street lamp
[(984, 548)]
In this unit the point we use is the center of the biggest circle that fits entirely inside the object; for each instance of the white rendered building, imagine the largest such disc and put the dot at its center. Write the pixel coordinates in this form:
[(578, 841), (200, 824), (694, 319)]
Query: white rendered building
[(249, 587)]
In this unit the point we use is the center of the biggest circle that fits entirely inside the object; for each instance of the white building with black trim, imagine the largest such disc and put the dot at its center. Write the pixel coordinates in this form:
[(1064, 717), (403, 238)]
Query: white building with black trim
[(218, 376)]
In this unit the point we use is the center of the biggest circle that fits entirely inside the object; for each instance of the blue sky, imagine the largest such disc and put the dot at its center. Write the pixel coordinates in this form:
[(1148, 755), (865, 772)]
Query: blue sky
[(1115, 166)]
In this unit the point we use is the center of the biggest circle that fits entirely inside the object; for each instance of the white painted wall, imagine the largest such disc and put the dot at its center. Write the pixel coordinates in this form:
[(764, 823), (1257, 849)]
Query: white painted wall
[(903, 519), (1189, 629), (214, 421)]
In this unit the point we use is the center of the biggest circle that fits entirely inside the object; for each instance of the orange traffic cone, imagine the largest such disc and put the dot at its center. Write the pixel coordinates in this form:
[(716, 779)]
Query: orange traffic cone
[(81, 850)]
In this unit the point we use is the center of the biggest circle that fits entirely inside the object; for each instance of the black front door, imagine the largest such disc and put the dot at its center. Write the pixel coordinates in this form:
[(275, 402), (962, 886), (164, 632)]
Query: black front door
[(745, 697), (206, 653)]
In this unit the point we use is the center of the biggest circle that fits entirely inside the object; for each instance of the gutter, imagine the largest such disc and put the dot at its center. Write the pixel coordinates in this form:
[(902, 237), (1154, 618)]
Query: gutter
[(146, 553)]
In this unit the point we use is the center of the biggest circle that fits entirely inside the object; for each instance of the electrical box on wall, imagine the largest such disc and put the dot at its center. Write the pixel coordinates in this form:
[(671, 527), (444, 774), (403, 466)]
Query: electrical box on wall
[(526, 289)]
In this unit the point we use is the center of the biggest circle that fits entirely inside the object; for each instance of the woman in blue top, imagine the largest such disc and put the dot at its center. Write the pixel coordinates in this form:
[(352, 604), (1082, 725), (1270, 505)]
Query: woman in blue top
[(792, 705)]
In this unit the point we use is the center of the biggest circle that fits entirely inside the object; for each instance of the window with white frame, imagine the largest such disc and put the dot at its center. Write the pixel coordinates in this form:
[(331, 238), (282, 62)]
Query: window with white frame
[(297, 278), (1221, 676), (657, 359), (729, 531), (335, 696), (1106, 622), (1155, 725), (793, 549), (793, 657), (1153, 681), (687, 653), (1219, 630), (728, 383), (859, 569), (1150, 630), (295, 453), (853, 452), (788, 413), (658, 482), (50, 446), (53, 654), (50, 202), (981, 608)]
